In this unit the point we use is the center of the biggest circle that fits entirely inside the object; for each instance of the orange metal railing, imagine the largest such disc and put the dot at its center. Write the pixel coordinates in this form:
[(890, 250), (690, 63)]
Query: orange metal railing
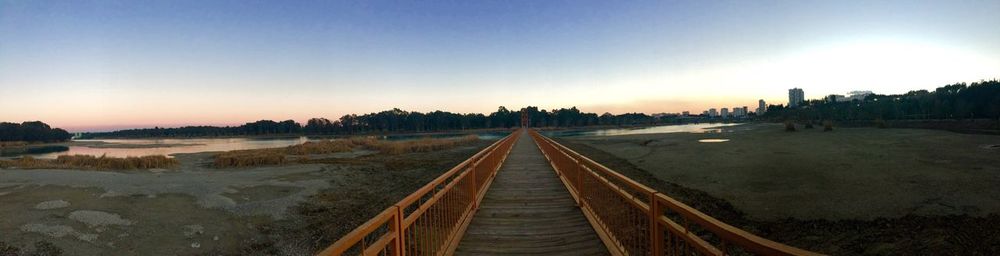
[(633, 219), (432, 220)]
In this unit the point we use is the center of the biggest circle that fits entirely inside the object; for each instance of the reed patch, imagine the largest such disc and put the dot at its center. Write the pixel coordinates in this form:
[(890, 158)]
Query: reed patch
[(277, 156), (92, 162)]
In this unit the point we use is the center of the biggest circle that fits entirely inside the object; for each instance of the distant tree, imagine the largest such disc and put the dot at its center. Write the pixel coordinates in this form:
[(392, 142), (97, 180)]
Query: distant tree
[(34, 131)]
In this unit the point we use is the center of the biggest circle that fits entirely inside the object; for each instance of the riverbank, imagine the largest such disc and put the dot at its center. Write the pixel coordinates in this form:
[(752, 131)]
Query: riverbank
[(850, 191), (290, 209)]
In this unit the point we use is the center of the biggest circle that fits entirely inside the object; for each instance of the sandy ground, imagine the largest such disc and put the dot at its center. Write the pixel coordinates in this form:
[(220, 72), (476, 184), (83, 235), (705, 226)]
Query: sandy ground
[(850, 173), (196, 209)]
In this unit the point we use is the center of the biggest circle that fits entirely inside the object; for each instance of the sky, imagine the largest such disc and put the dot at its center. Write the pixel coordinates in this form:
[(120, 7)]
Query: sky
[(102, 65)]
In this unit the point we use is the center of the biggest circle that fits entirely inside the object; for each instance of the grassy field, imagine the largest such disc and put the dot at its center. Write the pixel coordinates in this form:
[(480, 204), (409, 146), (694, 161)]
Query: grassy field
[(848, 191), (849, 173)]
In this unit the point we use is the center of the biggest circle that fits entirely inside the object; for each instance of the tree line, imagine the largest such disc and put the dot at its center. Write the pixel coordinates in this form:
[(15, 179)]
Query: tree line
[(396, 120), (954, 101), (35, 131)]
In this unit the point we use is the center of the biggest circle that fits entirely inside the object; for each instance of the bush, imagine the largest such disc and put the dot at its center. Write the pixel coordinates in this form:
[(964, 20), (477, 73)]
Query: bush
[(809, 125), (827, 126), (789, 126)]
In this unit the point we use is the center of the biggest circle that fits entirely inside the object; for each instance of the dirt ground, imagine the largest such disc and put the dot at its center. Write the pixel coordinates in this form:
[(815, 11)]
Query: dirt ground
[(198, 210), (850, 191)]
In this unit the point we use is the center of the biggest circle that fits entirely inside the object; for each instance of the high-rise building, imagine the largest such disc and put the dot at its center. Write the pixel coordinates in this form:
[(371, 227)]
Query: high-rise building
[(724, 112), (761, 107), (744, 112), (713, 113), (795, 97)]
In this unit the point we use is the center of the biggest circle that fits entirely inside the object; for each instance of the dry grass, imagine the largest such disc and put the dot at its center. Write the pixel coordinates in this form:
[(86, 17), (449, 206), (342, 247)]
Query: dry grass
[(276, 156), (92, 162), (421, 145), (246, 158), (319, 147)]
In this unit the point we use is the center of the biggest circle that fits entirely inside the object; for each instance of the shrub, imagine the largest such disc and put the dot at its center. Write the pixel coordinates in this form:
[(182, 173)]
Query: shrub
[(789, 126), (809, 125), (827, 126)]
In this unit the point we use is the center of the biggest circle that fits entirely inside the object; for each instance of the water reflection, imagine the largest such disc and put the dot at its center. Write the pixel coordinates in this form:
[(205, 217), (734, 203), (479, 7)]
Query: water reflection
[(712, 140), (32, 150), (142, 147), (690, 128)]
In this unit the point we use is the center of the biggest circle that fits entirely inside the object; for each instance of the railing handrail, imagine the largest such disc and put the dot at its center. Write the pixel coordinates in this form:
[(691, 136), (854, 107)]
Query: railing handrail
[(729, 234), (398, 239)]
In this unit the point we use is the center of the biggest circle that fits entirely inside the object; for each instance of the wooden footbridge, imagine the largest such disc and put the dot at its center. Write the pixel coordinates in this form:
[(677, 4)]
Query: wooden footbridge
[(528, 195)]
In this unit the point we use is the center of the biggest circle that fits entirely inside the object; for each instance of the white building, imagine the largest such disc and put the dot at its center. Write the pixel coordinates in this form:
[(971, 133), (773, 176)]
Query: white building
[(795, 97), (857, 95), (713, 113), (724, 112), (761, 107)]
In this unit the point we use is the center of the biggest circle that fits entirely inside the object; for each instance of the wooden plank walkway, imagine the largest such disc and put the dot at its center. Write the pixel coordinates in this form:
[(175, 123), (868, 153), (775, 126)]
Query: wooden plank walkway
[(528, 211)]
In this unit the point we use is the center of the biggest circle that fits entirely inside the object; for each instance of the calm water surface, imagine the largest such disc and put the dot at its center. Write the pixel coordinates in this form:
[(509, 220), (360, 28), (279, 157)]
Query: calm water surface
[(690, 128), (179, 146)]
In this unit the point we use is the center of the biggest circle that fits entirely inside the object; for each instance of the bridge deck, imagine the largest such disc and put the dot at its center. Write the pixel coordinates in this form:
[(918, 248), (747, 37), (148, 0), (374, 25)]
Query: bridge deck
[(528, 210)]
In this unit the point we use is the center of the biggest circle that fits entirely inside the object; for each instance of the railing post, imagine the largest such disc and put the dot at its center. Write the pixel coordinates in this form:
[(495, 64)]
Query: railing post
[(400, 244), (579, 180), (475, 186), (656, 234)]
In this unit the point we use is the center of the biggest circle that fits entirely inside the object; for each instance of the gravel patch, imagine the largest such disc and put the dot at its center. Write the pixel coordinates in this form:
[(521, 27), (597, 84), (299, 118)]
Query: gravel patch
[(54, 204), (192, 230), (207, 186), (98, 218), (58, 231)]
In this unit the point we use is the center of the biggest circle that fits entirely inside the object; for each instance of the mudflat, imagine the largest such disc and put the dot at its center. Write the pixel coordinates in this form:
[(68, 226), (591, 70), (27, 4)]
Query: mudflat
[(847, 173)]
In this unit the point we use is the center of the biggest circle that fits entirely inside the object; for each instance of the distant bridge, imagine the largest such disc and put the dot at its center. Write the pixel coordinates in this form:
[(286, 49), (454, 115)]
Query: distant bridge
[(528, 195)]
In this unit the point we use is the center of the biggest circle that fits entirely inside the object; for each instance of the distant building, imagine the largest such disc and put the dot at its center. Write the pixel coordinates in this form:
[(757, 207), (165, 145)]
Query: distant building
[(857, 95), (795, 97), (724, 112), (761, 107), (745, 111), (713, 113), (685, 113), (835, 98)]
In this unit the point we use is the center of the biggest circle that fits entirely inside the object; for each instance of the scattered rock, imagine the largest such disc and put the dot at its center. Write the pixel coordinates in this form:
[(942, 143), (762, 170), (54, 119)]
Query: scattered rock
[(192, 230), (195, 245), (98, 218), (54, 204), (58, 231)]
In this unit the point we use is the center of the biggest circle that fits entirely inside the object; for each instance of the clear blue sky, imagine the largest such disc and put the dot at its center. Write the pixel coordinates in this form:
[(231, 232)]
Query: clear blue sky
[(89, 65)]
